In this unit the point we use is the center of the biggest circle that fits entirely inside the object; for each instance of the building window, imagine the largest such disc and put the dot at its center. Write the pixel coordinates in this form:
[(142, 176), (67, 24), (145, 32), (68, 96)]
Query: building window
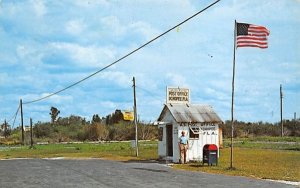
[(194, 132)]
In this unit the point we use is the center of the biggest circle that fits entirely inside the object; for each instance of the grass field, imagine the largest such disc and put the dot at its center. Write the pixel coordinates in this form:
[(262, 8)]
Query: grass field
[(269, 139), (249, 160), (277, 143), (118, 151), (258, 163)]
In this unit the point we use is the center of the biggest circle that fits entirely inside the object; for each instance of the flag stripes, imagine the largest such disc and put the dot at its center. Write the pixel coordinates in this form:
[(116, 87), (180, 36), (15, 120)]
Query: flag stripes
[(249, 35)]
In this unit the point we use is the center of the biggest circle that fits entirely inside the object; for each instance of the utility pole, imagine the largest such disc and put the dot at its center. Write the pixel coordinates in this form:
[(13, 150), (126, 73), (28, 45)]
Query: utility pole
[(31, 140), (135, 118), (5, 128), (22, 125), (281, 96), (295, 122)]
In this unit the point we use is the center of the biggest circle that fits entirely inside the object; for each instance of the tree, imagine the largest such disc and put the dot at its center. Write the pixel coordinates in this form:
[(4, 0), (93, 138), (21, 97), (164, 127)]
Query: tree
[(41, 130), (6, 129), (97, 132), (114, 118), (96, 118), (54, 113), (118, 116), (75, 120)]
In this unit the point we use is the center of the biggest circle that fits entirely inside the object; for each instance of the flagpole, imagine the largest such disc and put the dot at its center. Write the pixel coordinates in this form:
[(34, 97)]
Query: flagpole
[(232, 96)]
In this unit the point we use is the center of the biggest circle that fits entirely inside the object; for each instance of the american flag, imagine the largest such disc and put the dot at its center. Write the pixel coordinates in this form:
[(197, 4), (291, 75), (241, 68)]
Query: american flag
[(249, 35)]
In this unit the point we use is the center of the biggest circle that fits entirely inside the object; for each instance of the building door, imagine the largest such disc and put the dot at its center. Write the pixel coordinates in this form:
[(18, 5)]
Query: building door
[(169, 139)]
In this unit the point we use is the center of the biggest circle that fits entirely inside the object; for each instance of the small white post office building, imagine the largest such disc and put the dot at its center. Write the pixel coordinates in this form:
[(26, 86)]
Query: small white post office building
[(200, 123)]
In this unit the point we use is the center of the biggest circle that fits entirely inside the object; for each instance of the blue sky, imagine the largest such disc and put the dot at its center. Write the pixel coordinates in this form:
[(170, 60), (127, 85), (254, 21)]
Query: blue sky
[(48, 45)]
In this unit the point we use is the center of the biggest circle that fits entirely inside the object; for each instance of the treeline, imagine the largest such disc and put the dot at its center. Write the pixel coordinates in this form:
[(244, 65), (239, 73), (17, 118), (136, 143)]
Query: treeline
[(250, 129), (75, 128), (113, 127), (93, 132)]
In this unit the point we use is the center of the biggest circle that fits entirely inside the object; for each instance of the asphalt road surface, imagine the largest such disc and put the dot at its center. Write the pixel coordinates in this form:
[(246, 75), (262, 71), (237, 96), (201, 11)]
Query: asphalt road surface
[(104, 173)]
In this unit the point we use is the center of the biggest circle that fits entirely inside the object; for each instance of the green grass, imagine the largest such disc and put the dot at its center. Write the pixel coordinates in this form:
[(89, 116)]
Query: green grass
[(276, 143), (273, 139), (120, 150), (258, 163), (268, 139)]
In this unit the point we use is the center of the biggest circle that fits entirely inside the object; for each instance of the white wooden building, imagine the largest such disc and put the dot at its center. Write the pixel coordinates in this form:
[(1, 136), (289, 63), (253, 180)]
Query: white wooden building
[(200, 123)]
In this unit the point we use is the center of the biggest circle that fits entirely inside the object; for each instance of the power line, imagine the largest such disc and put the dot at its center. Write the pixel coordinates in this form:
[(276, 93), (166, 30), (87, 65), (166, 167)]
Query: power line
[(125, 56), (154, 95), (14, 116)]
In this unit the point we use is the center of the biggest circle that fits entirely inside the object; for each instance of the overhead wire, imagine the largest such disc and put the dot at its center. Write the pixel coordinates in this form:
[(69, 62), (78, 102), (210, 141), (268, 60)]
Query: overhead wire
[(125, 56), (149, 92), (14, 116)]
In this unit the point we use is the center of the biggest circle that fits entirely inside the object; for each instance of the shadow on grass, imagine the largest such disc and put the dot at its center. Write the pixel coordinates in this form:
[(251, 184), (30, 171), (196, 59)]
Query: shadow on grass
[(197, 165), (141, 161), (231, 169), (200, 165)]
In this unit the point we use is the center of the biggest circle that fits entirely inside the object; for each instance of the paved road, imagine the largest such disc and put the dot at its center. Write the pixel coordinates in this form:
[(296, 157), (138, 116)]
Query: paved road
[(103, 173)]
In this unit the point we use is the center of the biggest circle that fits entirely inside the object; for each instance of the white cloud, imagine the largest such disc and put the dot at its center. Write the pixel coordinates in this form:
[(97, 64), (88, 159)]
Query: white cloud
[(30, 53), (121, 78), (55, 99), (112, 24), (108, 104), (3, 78), (221, 96), (177, 80), (148, 31), (91, 3), (75, 27), (87, 56), (39, 7)]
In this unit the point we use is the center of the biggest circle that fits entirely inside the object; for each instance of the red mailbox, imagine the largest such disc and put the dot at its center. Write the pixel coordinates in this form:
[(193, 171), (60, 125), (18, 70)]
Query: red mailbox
[(210, 154)]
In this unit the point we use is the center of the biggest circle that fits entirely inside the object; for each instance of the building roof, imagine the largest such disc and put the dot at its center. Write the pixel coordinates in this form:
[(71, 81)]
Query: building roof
[(191, 113)]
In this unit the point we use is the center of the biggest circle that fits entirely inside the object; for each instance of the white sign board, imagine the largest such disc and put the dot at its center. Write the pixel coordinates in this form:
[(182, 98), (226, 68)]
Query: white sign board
[(178, 95)]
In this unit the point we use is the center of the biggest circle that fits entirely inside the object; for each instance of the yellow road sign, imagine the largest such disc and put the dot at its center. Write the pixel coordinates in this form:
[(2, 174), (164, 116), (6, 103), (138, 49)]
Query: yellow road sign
[(128, 115)]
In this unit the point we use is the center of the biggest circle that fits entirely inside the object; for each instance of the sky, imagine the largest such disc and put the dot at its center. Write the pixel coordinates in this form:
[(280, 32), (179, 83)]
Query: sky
[(46, 46)]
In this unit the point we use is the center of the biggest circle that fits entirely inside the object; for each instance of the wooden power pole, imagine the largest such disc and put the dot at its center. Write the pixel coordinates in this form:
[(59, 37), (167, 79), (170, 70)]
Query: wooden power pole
[(22, 125), (31, 134), (281, 96), (135, 118), (5, 128)]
